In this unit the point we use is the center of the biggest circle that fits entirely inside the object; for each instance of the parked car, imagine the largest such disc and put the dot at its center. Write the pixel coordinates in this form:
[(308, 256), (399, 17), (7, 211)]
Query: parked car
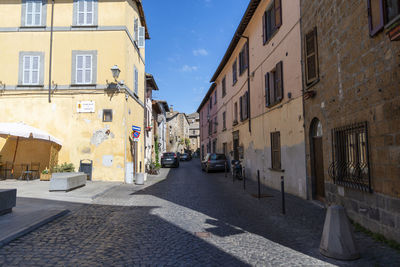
[(169, 159), (214, 162), (184, 157)]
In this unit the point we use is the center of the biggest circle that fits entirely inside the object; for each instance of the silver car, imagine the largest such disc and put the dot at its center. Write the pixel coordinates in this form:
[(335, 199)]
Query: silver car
[(214, 162)]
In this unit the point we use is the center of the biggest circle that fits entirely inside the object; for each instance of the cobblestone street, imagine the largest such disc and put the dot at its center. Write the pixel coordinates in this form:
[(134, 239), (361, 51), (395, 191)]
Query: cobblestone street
[(191, 218)]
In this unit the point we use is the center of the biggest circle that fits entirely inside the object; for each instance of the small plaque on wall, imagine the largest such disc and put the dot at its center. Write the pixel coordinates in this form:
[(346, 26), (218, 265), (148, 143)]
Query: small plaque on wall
[(85, 107)]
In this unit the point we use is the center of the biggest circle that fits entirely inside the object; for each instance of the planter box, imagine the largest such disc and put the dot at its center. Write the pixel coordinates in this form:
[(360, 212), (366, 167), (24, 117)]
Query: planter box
[(8, 198), (45, 177), (67, 181)]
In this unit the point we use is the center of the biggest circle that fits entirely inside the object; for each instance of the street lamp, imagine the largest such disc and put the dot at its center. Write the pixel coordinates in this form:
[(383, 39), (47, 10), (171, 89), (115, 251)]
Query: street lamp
[(115, 72)]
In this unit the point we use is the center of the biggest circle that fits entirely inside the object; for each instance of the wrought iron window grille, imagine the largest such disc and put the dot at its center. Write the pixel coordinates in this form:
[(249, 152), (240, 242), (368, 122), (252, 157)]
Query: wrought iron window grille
[(350, 154)]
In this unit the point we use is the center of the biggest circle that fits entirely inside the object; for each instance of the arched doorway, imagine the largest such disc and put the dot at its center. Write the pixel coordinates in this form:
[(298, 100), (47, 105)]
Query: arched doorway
[(317, 160)]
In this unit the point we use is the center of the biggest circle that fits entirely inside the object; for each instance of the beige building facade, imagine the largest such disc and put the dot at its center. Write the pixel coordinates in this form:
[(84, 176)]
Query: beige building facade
[(258, 97), (85, 107)]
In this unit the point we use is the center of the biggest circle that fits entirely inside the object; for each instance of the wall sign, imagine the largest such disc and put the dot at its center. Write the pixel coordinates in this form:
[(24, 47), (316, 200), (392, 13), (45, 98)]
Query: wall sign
[(85, 107)]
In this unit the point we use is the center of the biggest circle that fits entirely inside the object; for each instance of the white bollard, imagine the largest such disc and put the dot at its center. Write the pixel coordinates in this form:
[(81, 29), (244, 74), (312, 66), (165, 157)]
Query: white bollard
[(337, 238)]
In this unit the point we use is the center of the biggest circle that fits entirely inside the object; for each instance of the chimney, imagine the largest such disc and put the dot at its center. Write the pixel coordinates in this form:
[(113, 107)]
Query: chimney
[(171, 109)]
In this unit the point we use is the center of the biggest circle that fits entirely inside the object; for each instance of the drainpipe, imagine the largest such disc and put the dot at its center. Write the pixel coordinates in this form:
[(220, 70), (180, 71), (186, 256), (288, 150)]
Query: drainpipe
[(304, 112), (248, 77), (51, 46)]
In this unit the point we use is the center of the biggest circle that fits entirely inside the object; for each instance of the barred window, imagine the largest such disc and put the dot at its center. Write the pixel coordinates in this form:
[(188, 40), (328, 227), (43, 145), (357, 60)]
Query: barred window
[(350, 166)]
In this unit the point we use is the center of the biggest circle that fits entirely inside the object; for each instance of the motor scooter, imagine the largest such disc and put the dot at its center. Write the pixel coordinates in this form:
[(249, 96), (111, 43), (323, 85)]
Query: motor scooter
[(237, 169)]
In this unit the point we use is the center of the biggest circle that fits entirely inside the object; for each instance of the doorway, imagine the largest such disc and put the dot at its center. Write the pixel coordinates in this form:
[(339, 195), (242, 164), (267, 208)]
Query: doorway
[(236, 145), (317, 160)]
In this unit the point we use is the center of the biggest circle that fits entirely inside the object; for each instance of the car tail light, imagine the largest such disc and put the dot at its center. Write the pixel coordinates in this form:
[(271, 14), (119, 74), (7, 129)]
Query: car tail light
[(209, 161), (174, 155)]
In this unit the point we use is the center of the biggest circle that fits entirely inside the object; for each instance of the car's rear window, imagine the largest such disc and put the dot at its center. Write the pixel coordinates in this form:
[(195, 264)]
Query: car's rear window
[(169, 154), (218, 157)]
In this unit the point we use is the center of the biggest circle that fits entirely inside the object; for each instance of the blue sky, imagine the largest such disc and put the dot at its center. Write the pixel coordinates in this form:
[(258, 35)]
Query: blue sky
[(188, 41)]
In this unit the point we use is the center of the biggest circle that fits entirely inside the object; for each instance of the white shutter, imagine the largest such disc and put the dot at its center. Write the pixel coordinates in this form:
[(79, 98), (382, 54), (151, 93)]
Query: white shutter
[(141, 37), (31, 70), (33, 16), (136, 30), (85, 12), (136, 86), (84, 69)]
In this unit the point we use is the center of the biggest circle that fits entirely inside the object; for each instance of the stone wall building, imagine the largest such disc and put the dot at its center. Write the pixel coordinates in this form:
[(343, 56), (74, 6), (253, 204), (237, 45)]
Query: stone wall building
[(194, 131), (352, 108), (177, 131)]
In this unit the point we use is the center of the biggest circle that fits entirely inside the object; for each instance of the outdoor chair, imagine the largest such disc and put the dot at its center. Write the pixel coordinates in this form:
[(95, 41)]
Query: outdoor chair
[(25, 173), (35, 167), (7, 168)]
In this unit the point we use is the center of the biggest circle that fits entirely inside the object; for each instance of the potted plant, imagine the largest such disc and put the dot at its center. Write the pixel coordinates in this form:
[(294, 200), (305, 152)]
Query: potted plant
[(45, 175)]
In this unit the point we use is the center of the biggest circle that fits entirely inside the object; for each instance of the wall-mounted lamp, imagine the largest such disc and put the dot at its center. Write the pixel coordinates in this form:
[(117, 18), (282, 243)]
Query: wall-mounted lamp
[(115, 72)]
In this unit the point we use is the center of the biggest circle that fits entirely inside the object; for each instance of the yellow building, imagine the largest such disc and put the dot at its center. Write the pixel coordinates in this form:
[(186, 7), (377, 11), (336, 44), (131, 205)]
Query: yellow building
[(70, 46)]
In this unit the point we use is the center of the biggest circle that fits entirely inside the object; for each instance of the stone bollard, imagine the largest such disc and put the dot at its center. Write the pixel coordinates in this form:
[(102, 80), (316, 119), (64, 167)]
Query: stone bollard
[(337, 238)]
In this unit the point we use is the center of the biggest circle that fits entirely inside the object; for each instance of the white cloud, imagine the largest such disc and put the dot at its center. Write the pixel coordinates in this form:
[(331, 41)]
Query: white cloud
[(200, 52), (187, 68)]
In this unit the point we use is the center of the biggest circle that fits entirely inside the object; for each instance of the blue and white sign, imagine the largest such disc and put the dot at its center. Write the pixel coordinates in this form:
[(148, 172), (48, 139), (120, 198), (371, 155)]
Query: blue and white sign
[(136, 128)]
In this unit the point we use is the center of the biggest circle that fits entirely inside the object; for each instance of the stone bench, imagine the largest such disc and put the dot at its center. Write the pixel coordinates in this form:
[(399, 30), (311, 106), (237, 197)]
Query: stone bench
[(67, 181), (8, 198)]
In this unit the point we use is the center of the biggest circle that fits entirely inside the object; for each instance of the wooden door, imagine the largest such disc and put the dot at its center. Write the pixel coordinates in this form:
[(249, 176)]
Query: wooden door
[(319, 168)]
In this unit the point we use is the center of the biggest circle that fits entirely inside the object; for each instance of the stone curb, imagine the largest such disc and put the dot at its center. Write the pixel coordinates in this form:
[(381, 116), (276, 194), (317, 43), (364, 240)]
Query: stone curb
[(25, 230)]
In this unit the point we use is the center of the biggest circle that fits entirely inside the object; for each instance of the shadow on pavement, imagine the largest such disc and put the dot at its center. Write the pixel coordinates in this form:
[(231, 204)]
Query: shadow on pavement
[(218, 197), (95, 235)]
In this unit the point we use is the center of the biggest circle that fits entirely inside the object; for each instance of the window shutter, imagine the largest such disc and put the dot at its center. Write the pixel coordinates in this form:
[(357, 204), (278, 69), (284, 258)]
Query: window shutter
[(311, 55), (279, 81), (264, 28), (136, 83), (241, 108), (136, 30), (278, 13), (267, 89), (141, 42), (272, 87), (375, 16)]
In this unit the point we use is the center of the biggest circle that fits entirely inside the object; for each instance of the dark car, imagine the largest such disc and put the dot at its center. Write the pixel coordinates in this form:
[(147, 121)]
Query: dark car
[(214, 162), (184, 157), (169, 159)]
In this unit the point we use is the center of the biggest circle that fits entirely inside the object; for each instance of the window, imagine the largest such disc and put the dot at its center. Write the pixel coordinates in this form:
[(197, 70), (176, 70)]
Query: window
[(136, 30), (107, 115), (276, 151), (274, 85), (33, 13), (215, 97), (311, 56), (235, 114), (350, 153), (244, 114), (223, 87), (210, 102), (224, 120), (210, 123), (215, 124), (272, 20), (31, 68), (243, 60), (234, 72), (381, 12), (85, 12), (84, 67), (136, 80)]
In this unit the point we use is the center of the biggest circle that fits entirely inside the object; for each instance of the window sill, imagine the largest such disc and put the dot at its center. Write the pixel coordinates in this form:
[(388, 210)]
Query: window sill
[(83, 84), (31, 85), (274, 104), (224, 129), (33, 27), (233, 84), (272, 36), (235, 123), (310, 85), (276, 170), (84, 26)]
